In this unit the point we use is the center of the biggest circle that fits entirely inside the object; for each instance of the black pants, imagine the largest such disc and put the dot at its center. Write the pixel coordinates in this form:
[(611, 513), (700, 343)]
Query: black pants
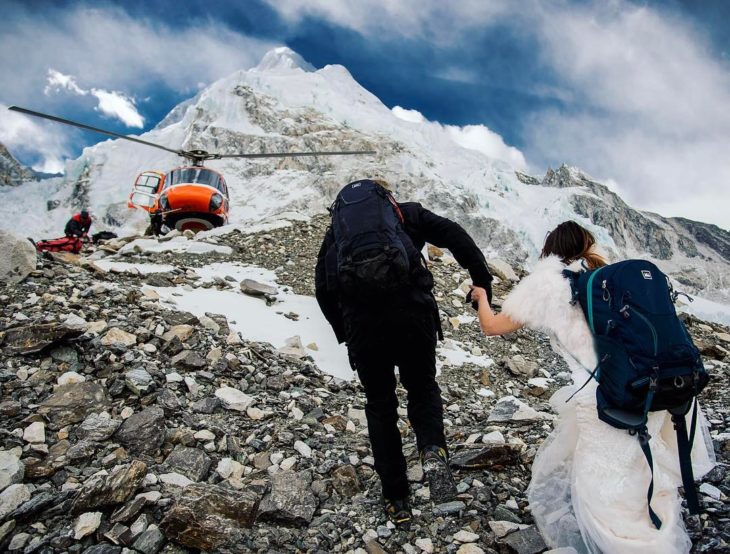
[(405, 338)]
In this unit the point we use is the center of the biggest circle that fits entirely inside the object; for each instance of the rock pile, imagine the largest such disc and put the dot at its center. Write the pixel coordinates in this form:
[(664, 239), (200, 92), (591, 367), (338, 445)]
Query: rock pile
[(129, 426)]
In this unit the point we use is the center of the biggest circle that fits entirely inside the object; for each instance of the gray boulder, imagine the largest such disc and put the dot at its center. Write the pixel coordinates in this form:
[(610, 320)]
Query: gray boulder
[(493, 455), (193, 463), (96, 428), (254, 288), (73, 402), (345, 481), (12, 469), (526, 541), (208, 517), (108, 490), (138, 380), (518, 365), (291, 499), (30, 339), (143, 432), (150, 541), (510, 408), (502, 269), (18, 258), (12, 497), (189, 359)]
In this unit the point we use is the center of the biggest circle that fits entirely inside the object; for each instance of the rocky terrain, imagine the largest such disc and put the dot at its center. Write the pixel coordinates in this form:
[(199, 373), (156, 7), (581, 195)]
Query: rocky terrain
[(131, 426)]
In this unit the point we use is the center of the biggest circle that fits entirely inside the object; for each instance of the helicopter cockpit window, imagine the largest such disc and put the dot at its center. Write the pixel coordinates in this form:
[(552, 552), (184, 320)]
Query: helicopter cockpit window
[(145, 190), (189, 175), (147, 183)]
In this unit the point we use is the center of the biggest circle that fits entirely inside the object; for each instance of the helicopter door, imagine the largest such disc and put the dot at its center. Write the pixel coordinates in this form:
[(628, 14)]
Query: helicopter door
[(145, 191)]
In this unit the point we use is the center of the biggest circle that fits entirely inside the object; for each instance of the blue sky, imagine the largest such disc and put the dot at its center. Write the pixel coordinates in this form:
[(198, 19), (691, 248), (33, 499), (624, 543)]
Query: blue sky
[(634, 93)]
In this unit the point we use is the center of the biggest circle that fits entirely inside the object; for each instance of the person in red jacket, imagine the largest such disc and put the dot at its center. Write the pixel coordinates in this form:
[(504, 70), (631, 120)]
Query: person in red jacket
[(78, 225)]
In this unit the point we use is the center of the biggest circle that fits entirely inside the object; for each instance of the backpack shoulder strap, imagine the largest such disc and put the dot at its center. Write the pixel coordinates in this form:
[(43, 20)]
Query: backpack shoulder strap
[(684, 449), (572, 277), (643, 435), (396, 207)]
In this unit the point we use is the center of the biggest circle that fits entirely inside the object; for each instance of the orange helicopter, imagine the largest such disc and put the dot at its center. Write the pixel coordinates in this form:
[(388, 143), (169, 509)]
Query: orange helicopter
[(191, 197)]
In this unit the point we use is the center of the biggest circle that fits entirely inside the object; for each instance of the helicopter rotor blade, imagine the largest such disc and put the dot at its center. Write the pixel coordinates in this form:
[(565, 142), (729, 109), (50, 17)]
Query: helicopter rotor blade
[(90, 128), (296, 154)]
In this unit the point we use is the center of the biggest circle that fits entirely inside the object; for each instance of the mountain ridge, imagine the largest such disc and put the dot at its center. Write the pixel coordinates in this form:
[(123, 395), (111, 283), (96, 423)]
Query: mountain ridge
[(279, 106)]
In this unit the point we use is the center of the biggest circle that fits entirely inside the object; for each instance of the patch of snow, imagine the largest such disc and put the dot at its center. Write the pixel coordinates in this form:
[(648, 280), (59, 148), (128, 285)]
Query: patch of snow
[(238, 272), (258, 322), (178, 244), (466, 319), (126, 267), (452, 354), (707, 310)]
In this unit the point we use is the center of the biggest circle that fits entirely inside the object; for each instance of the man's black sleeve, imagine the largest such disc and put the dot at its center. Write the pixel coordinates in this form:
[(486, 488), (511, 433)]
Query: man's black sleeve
[(72, 228), (326, 299), (444, 233)]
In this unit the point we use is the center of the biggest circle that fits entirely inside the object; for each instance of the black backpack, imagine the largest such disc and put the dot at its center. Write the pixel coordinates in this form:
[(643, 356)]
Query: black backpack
[(102, 235), (374, 254), (648, 361)]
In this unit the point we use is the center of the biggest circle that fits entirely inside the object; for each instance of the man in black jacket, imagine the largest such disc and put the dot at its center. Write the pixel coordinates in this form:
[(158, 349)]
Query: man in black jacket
[(400, 331)]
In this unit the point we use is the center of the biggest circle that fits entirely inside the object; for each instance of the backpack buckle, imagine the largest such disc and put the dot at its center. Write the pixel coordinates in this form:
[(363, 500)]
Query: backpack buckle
[(644, 436), (653, 383)]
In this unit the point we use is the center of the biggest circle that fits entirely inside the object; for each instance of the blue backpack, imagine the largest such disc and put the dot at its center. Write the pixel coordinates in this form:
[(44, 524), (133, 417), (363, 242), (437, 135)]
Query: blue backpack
[(375, 256), (647, 360)]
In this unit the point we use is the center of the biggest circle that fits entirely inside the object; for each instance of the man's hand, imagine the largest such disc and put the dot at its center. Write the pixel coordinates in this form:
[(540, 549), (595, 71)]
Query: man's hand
[(477, 294), (474, 294)]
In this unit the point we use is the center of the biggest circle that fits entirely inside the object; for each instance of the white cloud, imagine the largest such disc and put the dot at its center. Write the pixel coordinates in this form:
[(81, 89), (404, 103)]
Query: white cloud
[(116, 104), (111, 103), (435, 20), (486, 141), (458, 75), (655, 117), (116, 52), (414, 116), (110, 50), (700, 207), (474, 137), (20, 133), (647, 103), (58, 81)]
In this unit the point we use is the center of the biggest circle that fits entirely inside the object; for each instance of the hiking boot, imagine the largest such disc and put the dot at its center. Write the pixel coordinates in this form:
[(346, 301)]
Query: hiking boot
[(398, 511), (441, 482)]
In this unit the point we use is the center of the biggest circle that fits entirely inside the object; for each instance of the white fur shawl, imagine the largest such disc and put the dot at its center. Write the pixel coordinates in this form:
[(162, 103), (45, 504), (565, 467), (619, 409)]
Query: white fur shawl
[(542, 301)]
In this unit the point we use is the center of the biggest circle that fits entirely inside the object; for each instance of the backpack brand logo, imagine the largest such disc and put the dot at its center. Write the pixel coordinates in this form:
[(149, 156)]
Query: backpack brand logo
[(646, 274), (356, 185)]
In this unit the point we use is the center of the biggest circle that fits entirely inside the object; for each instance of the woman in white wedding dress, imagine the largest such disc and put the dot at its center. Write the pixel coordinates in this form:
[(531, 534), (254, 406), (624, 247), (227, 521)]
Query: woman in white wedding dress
[(589, 480)]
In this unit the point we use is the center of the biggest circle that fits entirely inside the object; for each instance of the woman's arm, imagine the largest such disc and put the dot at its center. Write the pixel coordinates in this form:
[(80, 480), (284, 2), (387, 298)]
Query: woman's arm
[(491, 324)]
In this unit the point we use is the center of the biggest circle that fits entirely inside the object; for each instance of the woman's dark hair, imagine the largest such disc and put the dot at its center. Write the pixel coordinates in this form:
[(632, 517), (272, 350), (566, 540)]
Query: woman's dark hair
[(569, 242)]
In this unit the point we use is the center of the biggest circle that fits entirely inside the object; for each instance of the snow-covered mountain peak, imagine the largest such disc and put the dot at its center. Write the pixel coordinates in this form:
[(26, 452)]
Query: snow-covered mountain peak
[(283, 58), (466, 173)]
